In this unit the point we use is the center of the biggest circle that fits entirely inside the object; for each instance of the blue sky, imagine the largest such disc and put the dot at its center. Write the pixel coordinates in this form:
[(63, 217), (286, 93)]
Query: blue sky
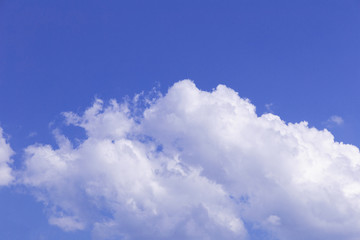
[(297, 59)]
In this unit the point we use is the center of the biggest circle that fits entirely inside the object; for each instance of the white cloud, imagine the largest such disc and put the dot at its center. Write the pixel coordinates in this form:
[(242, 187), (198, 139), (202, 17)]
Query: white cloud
[(196, 166), (6, 152), (335, 120), (121, 185)]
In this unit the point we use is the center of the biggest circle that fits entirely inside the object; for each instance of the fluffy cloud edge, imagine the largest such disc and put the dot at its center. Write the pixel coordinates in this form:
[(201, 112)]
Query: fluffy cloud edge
[(6, 174)]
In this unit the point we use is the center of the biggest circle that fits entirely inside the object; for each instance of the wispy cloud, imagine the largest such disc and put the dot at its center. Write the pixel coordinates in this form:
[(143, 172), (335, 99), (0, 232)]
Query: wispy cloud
[(32, 134), (6, 152), (268, 107), (335, 120)]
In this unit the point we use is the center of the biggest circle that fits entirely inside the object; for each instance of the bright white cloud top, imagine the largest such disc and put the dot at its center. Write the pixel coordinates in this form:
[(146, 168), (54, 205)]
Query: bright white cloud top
[(195, 165), (6, 152)]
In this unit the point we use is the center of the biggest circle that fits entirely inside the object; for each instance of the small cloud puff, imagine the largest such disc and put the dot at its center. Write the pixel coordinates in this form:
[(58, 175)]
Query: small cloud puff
[(268, 107), (197, 165), (337, 120)]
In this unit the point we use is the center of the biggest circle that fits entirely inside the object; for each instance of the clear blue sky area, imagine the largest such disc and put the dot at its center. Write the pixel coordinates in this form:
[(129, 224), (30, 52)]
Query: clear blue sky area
[(300, 57)]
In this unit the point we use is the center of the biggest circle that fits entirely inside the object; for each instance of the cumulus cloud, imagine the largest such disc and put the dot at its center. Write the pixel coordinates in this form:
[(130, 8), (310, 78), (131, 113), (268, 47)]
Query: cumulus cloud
[(196, 165), (6, 152), (117, 182)]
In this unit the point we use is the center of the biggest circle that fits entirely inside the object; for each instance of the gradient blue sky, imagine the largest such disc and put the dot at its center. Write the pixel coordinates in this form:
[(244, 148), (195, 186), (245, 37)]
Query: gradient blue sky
[(302, 57)]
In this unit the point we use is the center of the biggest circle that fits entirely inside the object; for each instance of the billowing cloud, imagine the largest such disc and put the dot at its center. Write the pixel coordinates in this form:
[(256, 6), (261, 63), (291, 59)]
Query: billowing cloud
[(120, 184), (197, 165), (5, 159)]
